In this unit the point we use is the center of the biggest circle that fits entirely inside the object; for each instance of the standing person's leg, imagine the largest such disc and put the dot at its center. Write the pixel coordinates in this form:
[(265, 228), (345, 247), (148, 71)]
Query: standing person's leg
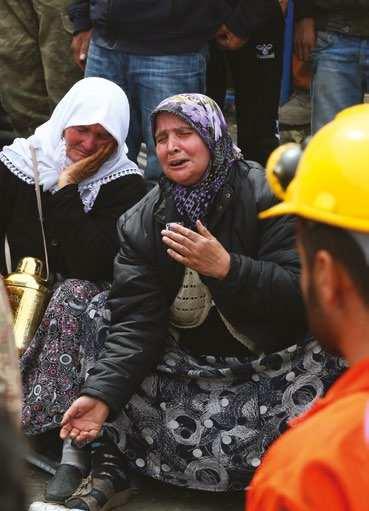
[(337, 81), (22, 87), (55, 37), (257, 70), (113, 65), (157, 77), (216, 74)]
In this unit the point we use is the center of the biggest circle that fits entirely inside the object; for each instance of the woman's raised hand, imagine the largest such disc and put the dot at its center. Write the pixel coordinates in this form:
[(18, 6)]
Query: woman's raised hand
[(84, 419), (200, 251), (87, 167)]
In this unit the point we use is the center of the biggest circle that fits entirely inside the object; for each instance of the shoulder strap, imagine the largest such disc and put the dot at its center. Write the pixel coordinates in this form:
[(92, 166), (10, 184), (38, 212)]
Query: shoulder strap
[(39, 207)]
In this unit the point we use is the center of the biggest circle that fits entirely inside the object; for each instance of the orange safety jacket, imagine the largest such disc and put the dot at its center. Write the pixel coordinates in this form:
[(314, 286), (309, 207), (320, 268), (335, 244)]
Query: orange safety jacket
[(322, 462)]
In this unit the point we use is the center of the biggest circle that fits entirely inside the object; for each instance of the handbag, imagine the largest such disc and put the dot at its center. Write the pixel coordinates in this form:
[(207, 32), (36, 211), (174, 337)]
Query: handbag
[(28, 290)]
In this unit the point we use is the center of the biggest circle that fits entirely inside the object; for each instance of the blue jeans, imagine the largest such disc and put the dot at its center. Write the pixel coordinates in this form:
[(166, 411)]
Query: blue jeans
[(147, 80), (340, 75)]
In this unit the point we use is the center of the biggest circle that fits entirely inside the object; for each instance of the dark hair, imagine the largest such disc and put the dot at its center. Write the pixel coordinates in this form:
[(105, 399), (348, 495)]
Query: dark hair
[(343, 248), (12, 477)]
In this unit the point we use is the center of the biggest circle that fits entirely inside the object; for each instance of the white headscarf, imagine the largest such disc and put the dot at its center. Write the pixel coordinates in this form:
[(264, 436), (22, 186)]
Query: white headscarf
[(89, 101)]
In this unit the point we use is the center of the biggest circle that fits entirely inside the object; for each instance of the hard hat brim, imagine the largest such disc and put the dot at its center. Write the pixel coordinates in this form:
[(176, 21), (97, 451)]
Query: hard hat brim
[(284, 208)]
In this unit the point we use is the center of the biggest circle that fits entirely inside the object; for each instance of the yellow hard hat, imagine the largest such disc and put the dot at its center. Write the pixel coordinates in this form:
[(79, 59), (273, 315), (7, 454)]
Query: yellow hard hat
[(331, 183)]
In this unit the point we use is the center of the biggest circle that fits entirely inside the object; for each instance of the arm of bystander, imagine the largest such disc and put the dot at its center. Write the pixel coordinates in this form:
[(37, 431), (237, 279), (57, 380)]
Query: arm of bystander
[(79, 13)]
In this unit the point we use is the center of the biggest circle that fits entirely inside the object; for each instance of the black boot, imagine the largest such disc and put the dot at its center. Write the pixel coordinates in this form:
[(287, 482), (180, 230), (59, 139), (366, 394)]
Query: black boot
[(65, 482)]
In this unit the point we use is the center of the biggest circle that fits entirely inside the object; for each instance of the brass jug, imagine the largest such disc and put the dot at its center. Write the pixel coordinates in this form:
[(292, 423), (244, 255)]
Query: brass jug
[(28, 296)]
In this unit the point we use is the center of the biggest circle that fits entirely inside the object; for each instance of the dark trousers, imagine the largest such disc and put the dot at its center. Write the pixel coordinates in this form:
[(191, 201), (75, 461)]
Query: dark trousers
[(256, 71)]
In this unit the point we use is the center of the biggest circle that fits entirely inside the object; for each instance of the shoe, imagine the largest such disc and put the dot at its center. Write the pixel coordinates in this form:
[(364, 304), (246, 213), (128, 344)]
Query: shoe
[(108, 485), (99, 495), (297, 110), (65, 482)]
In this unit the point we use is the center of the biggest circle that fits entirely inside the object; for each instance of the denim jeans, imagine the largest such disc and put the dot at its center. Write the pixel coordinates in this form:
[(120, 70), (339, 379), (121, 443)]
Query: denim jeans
[(340, 75), (147, 80)]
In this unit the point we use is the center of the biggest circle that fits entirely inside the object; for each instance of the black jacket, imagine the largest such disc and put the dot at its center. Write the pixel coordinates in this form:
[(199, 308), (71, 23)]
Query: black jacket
[(247, 17), (260, 296), (170, 26), (80, 245), (350, 17)]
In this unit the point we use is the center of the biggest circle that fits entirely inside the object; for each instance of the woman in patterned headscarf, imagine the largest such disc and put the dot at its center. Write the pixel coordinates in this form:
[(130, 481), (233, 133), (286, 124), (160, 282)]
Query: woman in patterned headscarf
[(207, 348)]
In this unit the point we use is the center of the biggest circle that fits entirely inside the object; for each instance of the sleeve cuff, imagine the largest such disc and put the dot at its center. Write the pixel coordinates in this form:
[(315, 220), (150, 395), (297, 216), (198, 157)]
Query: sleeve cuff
[(66, 192), (231, 281), (80, 17), (238, 27), (303, 9)]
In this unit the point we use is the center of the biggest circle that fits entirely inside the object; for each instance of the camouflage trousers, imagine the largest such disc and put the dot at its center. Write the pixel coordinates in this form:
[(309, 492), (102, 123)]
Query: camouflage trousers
[(36, 64)]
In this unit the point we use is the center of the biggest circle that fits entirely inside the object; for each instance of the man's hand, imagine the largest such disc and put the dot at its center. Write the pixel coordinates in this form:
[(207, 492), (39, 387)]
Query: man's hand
[(228, 40), (305, 37), (84, 419), (200, 251), (80, 44), (284, 5), (87, 167)]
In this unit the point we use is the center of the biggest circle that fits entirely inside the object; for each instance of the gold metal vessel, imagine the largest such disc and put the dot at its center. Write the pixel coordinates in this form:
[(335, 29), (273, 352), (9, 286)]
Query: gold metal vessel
[(28, 296)]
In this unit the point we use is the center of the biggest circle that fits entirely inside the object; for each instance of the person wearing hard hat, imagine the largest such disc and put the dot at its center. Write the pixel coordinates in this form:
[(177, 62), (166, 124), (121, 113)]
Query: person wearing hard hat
[(322, 461)]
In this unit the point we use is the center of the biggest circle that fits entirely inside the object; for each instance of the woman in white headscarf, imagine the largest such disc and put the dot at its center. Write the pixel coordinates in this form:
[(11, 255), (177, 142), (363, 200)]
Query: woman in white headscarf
[(86, 183)]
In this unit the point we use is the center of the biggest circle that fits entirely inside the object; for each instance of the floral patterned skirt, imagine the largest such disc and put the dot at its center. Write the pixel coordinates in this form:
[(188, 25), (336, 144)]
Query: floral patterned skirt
[(205, 423), (54, 365)]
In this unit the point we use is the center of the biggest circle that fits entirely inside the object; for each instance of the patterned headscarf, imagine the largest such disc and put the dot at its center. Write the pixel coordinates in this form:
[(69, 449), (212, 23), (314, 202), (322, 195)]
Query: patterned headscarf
[(204, 115)]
